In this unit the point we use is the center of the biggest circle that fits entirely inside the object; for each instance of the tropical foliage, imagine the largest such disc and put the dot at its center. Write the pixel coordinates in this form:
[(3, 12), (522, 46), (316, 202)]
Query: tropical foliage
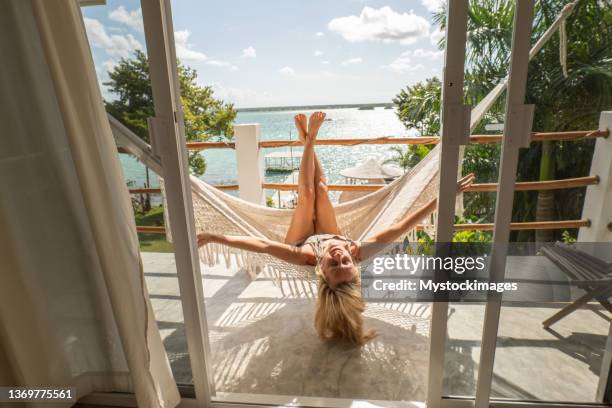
[(562, 103), (408, 158), (419, 106), (205, 116)]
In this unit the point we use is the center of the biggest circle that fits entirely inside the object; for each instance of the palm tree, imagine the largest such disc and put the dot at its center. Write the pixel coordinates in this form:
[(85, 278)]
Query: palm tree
[(570, 103), (408, 158), (418, 107), (562, 103)]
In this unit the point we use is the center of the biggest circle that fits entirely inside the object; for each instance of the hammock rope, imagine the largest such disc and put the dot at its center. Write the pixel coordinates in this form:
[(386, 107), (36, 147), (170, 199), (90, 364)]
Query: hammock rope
[(567, 10)]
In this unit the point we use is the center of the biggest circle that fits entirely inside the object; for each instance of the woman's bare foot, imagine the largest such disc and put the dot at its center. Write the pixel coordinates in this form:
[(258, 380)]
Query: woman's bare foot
[(314, 124), (301, 125)]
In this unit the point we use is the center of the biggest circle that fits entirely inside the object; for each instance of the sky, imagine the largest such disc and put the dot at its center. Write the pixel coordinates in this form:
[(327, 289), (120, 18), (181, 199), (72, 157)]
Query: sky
[(284, 52)]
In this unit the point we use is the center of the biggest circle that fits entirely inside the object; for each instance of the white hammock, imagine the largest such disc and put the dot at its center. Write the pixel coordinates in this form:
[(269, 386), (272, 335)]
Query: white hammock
[(221, 213)]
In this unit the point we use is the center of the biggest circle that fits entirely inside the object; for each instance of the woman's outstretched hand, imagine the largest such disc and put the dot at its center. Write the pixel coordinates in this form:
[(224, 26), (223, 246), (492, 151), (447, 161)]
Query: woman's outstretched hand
[(465, 182), (204, 238)]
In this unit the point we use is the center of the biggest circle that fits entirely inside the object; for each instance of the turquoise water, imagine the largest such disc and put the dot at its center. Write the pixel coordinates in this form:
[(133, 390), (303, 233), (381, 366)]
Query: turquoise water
[(344, 123)]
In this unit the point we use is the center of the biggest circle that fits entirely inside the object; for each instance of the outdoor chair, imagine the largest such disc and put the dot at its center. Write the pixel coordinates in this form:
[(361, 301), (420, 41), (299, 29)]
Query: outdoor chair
[(586, 272)]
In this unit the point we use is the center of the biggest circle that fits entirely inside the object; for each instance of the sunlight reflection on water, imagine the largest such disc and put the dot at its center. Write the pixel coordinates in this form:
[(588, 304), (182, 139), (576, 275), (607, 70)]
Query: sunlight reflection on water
[(344, 123)]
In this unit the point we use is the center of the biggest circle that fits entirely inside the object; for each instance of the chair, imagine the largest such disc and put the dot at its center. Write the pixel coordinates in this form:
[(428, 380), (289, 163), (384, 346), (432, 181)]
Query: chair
[(585, 271)]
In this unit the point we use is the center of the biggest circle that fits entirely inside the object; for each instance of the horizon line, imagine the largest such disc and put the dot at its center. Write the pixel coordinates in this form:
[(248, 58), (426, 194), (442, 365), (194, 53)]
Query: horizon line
[(317, 106)]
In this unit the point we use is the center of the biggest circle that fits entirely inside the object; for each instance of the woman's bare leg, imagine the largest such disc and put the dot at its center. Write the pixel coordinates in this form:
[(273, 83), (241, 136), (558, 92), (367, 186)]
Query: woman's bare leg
[(325, 215), (302, 222)]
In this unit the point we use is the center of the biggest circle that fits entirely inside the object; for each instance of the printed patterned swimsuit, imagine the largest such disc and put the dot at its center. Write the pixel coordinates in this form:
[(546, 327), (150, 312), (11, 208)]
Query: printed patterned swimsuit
[(318, 242)]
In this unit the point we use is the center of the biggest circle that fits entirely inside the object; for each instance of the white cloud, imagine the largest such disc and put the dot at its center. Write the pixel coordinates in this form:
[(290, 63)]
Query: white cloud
[(242, 97), (109, 65), (433, 5), (115, 45), (249, 52), (382, 24), (319, 34), (351, 61), (102, 72), (421, 54), (324, 62), (436, 35), (318, 53), (287, 71), (131, 19), (217, 63), (184, 50), (403, 65)]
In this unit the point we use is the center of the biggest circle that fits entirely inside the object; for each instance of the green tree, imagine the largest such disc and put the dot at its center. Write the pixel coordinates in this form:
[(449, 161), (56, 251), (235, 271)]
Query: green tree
[(418, 106), (205, 116), (571, 103), (409, 157), (562, 103)]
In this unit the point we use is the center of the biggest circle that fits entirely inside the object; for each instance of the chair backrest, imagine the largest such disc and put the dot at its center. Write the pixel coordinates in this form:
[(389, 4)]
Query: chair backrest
[(578, 265)]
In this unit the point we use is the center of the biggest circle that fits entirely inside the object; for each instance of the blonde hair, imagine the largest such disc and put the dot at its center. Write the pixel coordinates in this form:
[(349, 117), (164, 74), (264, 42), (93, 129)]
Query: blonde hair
[(339, 311)]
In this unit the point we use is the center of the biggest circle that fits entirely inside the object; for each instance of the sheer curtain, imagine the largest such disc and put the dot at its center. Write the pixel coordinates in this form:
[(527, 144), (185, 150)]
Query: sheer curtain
[(74, 310)]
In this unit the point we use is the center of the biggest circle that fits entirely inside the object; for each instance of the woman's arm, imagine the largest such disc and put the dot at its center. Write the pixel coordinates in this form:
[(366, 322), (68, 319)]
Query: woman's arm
[(377, 242), (289, 253)]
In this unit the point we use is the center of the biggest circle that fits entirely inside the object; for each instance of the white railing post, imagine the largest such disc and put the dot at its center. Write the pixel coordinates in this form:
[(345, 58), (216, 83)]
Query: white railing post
[(249, 160), (598, 199)]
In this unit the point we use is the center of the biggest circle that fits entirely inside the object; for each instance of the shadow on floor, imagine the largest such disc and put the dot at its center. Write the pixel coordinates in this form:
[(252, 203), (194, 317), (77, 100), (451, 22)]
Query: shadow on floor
[(267, 344)]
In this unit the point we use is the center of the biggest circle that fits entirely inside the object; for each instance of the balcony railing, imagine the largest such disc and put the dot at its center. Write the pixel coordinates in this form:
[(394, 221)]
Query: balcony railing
[(481, 187)]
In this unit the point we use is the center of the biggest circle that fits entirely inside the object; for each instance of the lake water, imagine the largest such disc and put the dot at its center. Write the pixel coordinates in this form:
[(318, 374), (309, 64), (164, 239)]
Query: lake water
[(343, 123)]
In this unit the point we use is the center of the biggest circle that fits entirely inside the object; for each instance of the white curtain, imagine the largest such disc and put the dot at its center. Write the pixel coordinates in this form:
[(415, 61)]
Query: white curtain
[(74, 310)]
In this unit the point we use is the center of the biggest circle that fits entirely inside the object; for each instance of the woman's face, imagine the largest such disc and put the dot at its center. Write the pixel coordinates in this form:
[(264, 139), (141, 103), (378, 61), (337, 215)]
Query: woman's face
[(337, 263)]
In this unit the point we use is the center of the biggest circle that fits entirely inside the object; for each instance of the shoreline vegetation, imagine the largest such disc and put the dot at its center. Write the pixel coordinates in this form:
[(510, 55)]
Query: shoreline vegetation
[(362, 106)]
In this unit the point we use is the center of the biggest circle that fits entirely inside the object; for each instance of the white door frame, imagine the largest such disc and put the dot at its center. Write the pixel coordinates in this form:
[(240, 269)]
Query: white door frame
[(455, 131), (168, 140), (518, 119)]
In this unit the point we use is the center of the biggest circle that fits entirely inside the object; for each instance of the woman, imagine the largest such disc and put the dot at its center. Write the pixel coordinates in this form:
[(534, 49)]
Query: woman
[(314, 238)]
